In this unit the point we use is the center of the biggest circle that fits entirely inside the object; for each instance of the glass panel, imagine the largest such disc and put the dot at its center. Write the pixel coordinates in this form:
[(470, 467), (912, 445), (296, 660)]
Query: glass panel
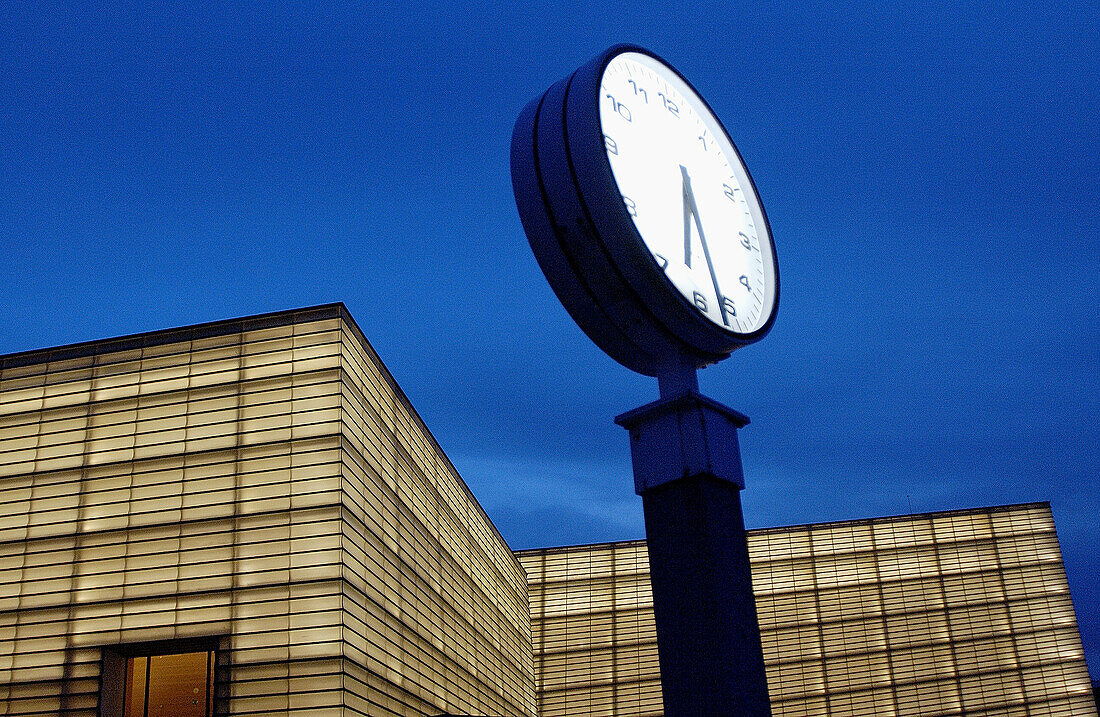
[(136, 668), (179, 685)]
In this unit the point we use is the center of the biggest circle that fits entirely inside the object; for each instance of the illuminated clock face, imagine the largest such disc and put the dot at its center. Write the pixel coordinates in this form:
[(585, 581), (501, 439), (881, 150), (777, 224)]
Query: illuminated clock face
[(688, 193)]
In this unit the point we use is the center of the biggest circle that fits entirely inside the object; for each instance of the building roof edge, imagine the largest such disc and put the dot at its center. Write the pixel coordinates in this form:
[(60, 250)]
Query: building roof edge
[(177, 334), (823, 524)]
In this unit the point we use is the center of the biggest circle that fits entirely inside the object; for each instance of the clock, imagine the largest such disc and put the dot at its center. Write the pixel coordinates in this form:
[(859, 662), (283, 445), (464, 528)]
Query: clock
[(643, 216)]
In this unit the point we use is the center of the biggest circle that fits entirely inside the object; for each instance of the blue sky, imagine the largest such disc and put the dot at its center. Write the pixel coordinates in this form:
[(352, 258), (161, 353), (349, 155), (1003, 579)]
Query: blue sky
[(931, 173)]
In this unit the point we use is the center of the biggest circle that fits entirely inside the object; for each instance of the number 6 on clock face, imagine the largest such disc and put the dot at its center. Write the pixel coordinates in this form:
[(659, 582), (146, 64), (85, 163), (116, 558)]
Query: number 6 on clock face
[(688, 192)]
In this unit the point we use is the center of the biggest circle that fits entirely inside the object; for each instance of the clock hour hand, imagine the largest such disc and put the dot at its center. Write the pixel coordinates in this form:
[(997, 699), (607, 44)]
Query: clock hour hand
[(691, 212)]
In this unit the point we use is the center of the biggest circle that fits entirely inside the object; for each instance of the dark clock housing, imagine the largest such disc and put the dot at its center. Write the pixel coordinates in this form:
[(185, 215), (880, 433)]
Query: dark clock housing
[(588, 246)]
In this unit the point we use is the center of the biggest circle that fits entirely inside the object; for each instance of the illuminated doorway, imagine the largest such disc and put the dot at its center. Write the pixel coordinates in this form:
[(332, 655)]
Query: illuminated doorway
[(170, 685), (162, 685)]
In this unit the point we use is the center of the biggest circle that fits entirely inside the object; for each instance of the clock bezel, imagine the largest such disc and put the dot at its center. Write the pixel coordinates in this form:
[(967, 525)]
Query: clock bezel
[(587, 244)]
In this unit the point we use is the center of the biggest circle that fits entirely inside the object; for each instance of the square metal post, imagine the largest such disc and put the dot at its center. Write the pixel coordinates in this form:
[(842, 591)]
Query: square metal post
[(687, 468)]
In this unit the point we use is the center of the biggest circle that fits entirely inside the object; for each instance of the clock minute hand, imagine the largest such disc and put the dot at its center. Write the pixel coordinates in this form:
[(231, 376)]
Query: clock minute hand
[(691, 211)]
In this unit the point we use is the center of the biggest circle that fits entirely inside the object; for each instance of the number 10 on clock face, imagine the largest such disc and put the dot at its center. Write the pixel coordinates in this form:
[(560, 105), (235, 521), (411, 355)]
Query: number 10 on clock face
[(688, 192)]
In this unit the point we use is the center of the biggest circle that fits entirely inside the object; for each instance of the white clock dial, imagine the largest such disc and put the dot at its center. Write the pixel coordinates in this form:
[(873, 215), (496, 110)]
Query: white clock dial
[(688, 192)]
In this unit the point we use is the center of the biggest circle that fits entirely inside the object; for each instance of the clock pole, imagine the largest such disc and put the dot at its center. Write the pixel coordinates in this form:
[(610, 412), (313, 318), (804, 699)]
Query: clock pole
[(687, 469)]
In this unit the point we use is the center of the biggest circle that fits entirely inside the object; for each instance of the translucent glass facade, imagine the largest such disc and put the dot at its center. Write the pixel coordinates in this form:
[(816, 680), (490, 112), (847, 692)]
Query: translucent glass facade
[(262, 484), (960, 613)]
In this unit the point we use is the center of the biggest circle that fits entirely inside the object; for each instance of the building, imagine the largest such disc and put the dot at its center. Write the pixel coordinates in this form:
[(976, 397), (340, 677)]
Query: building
[(248, 517), (244, 517), (955, 613)]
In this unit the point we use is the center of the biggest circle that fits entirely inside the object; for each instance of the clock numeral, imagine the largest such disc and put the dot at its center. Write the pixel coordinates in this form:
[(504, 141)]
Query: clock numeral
[(729, 192), (620, 109), (670, 105), (700, 301), (661, 261), (745, 240), (704, 141), (730, 309), (631, 207), (639, 91), (612, 146), (745, 282)]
